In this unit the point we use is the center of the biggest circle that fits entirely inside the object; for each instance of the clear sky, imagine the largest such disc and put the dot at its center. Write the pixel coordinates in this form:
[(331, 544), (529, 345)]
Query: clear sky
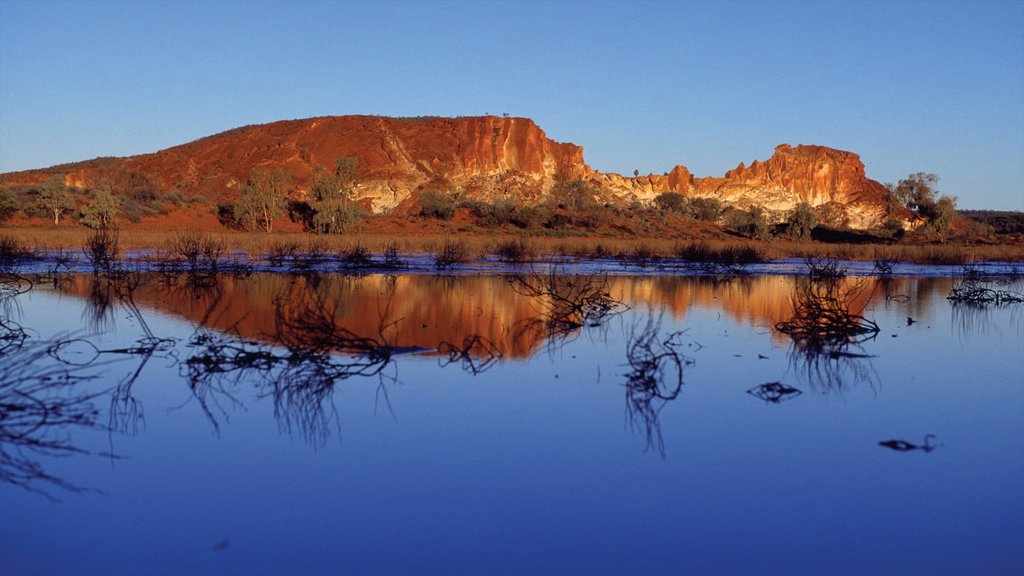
[(910, 86)]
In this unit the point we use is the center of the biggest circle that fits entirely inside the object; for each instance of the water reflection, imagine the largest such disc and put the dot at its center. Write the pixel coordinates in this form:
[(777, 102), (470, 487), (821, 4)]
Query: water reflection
[(42, 402), (423, 311), (294, 339), (655, 377)]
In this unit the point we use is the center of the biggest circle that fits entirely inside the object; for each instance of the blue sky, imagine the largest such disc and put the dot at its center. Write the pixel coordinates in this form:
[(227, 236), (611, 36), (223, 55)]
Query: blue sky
[(910, 86)]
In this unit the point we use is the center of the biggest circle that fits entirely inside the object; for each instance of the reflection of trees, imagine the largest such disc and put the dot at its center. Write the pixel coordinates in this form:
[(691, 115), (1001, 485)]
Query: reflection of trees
[(300, 375), (654, 379), (41, 403)]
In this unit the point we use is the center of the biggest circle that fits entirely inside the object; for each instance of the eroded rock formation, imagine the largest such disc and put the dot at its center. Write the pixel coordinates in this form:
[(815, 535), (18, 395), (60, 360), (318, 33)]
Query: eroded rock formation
[(482, 157)]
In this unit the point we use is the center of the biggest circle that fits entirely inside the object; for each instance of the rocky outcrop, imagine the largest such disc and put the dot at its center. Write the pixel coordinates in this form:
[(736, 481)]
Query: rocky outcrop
[(480, 156)]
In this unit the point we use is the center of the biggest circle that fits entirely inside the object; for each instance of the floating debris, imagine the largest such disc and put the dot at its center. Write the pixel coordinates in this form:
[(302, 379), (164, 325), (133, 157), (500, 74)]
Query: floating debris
[(774, 392), (904, 446)]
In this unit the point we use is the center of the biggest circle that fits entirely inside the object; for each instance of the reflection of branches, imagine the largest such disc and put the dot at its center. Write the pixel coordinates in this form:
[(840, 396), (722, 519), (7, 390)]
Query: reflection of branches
[(301, 377), (567, 303), (831, 369), (107, 291), (476, 354), (40, 401), (12, 335), (655, 377), (11, 286), (822, 317)]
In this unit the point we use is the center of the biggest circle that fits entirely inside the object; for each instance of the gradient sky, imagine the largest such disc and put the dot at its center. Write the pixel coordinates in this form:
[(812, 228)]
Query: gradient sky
[(910, 86)]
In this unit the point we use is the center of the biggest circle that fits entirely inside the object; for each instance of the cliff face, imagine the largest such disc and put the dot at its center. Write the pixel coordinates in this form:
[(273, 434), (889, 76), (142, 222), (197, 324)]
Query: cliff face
[(820, 176), (481, 156)]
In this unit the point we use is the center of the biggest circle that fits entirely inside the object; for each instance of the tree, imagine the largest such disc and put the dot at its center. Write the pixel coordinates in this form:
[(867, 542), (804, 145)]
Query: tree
[(54, 198), (261, 200), (9, 203), (330, 196), (943, 213), (670, 202), (753, 222), (574, 195), (917, 192), (100, 212), (802, 220)]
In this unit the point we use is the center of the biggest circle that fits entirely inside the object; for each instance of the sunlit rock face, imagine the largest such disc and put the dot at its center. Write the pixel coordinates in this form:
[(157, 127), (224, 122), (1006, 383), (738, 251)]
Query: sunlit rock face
[(481, 157)]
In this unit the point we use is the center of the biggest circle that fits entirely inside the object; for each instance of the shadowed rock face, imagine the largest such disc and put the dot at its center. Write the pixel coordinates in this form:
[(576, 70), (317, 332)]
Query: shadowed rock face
[(483, 156)]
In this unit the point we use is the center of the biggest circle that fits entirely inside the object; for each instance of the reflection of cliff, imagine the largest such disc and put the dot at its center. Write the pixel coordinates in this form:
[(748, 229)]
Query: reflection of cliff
[(415, 311), (423, 311)]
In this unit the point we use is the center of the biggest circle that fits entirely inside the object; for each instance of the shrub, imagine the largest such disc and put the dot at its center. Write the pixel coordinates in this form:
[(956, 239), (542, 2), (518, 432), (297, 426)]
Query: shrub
[(641, 256), (11, 251), (452, 253), (435, 204), (101, 211), (706, 209), (102, 248), (729, 259), (392, 257), (752, 223), (280, 252), (531, 216), (514, 251), (262, 199), (198, 251), (330, 197), (670, 202), (825, 268), (9, 203), (356, 256), (802, 221)]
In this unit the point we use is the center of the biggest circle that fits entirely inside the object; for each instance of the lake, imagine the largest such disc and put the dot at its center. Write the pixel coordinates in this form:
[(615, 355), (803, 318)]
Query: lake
[(538, 423)]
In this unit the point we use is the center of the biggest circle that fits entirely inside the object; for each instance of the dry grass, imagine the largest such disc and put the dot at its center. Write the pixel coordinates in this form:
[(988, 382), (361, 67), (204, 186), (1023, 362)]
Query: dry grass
[(256, 244)]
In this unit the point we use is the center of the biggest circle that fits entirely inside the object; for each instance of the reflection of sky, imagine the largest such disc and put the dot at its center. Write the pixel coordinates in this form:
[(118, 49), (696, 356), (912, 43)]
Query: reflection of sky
[(519, 471)]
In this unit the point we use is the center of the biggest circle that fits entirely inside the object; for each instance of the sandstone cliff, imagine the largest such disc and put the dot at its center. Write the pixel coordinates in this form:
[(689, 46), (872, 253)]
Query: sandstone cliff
[(480, 156)]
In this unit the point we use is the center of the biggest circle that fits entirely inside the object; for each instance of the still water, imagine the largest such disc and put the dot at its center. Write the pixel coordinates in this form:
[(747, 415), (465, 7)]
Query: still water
[(466, 427)]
